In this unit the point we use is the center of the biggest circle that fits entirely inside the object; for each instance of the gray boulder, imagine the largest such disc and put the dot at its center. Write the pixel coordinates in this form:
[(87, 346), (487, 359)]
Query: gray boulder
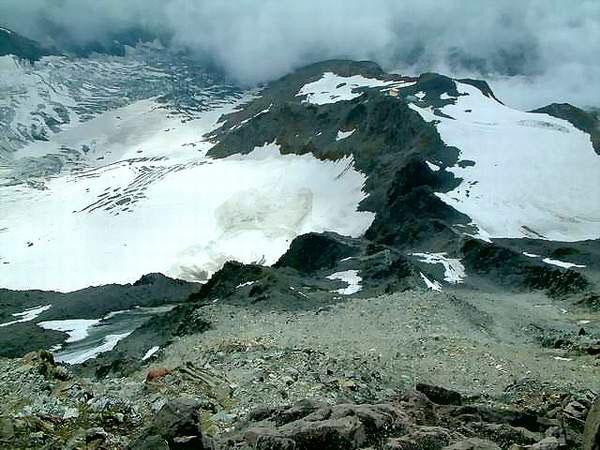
[(591, 433)]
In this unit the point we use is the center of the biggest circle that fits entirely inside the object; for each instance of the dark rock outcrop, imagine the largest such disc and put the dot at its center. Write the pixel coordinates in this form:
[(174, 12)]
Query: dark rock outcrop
[(591, 433), (412, 422), (314, 251), (177, 424), (12, 43), (440, 395), (586, 121)]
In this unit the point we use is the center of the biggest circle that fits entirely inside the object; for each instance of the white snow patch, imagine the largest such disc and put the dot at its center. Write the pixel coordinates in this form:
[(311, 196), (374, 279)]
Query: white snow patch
[(28, 315), (260, 113), (77, 329), (445, 96), (420, 95), (555, 262), (432, 166), (478, 234), (150, 352), (560, 358), (351, 278), (454, 271), (433, 285), (332, 88), (80, 356), (247, 283), (112, 314), (563, 264), (298, 291), (344, 134), (523, 182), (5, 30)]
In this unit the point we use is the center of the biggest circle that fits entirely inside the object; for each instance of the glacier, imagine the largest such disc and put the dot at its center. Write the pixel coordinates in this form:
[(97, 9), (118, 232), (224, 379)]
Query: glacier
[(123, 186)]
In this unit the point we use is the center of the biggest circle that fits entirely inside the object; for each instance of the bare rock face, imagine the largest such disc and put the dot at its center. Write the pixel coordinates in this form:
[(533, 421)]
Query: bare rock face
[(473, 444), (440, 395), (434, 438), (415, 421), (591, 434), (309, 425), (177, 425)]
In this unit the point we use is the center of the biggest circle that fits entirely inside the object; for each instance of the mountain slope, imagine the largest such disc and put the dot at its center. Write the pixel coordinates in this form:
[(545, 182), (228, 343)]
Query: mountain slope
[(337, 180), (12, 43), (414, 164)]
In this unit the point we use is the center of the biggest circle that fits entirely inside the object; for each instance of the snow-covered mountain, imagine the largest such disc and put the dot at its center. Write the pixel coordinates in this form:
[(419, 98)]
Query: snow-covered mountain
[(113, 167), (523, 174), (337, 180)]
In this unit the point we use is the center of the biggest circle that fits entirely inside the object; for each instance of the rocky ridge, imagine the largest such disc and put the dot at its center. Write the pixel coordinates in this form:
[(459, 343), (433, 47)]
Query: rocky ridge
[(69, 412)]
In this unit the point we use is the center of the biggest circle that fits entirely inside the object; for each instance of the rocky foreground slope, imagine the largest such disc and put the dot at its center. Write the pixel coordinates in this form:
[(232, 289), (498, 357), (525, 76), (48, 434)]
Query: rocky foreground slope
[(62, 411)]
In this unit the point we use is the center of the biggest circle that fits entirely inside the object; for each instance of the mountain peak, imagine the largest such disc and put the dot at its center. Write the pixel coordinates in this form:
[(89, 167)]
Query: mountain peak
[(12, 43)]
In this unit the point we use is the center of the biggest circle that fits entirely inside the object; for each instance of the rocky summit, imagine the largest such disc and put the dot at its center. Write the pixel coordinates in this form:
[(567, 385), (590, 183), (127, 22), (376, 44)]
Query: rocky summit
[(342, 258)]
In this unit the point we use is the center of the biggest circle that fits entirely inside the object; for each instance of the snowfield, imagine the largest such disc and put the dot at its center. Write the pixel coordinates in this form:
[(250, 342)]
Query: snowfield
[(351, 278), (154, 202), (534, 175), (27, 316), (433, 285), (333, 88), (76, 329), (79, 357)]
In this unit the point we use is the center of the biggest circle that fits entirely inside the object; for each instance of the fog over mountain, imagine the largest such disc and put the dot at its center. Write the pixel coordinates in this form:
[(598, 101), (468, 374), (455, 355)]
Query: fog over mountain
[(533, 50)]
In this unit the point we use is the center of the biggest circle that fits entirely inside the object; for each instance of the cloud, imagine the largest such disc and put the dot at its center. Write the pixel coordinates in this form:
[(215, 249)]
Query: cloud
[(534, 51)]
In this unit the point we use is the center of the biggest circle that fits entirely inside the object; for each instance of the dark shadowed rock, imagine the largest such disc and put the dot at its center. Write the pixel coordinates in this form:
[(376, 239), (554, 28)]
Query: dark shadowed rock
[(311, 425), (473, 444), (591, 434), (333, 434), (177, 423), (511, 269), (440, 395), (424, 438), (314, 251), (153, 442), (268, 442), (12, 43)]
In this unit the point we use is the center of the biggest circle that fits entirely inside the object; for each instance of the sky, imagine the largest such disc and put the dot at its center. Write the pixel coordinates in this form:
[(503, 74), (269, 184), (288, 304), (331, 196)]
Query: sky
[(533, 52)]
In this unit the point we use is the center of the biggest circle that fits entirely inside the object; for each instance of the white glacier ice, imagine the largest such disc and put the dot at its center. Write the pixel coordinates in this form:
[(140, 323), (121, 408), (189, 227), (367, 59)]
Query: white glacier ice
[(158, 203)]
